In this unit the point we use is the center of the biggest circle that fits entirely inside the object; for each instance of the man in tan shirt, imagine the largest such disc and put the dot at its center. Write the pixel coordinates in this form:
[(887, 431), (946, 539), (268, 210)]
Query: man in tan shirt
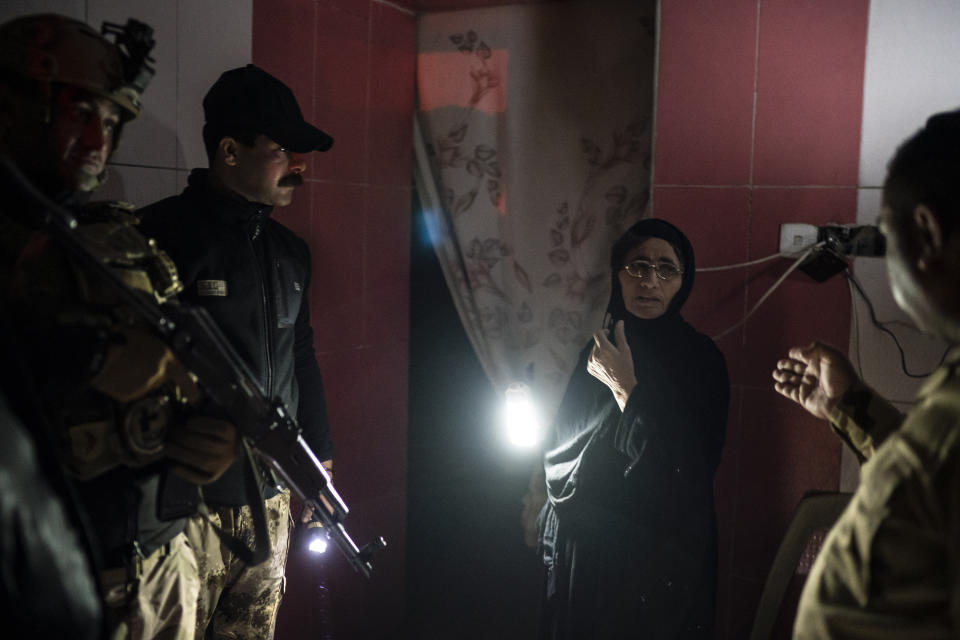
[(890, 567)]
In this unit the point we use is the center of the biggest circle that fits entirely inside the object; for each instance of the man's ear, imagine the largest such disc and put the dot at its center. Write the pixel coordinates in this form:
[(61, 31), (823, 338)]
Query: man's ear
[(228, 148), (929, 237)]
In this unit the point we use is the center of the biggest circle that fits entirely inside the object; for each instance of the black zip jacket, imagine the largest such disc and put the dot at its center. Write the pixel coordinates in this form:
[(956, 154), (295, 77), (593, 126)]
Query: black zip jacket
[(251, 273)]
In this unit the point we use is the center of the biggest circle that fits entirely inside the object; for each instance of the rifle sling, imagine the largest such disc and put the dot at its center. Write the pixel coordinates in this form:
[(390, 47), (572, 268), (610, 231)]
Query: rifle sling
[(261, 538)]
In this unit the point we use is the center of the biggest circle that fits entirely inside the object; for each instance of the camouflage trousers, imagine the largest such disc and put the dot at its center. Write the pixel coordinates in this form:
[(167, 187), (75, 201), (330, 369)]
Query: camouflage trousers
[(237, 601), (159, 605)]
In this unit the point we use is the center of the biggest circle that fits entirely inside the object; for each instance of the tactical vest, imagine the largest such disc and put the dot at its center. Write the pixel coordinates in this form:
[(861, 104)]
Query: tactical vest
[(98, 432)]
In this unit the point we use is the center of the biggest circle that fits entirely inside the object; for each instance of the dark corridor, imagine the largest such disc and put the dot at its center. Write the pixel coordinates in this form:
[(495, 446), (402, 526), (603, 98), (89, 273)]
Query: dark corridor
[(469, 574)]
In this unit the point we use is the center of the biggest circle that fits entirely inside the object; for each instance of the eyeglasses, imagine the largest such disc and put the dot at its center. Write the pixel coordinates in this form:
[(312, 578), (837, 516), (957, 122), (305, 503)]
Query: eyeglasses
[(642, 269)]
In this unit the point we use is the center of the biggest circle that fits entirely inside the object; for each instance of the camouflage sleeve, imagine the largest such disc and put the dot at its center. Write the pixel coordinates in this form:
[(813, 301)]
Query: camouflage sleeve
[(864, 420)]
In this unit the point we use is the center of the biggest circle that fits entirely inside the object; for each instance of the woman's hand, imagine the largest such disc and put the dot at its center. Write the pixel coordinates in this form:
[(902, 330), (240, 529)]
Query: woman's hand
[(612, 364)]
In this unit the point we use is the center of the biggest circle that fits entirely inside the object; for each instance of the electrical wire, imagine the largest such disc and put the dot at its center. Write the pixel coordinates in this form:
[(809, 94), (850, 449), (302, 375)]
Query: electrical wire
[(740, 265), (854, 286), (856, 325), (882, 327), (791, 269), (856, 341)]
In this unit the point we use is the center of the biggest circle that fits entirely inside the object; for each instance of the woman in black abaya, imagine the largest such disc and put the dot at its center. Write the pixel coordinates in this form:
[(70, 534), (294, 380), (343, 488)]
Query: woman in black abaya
[(628, 535)]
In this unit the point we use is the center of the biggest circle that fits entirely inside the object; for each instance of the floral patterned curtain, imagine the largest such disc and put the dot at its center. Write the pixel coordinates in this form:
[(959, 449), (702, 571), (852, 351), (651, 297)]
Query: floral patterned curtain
[(534, 157)]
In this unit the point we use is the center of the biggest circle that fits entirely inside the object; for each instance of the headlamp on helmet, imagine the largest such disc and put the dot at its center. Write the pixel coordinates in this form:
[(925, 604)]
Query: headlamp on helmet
[(133, 41), (51, 50)]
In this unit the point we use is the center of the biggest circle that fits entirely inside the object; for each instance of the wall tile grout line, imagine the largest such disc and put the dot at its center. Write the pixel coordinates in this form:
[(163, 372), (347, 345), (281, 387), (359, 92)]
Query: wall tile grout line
[(365, 211), (756, 84), (315, 32), (176, 90), (133, 165), (655, 99), (751, 180), (746, 287)]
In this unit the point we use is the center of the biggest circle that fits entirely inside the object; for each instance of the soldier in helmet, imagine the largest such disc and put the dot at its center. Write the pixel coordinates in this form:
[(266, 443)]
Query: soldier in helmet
[(87, 396), (54, 71)]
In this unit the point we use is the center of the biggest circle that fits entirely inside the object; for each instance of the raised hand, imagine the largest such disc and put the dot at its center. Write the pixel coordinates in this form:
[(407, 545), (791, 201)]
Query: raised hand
[(612, 364), (815, 377)]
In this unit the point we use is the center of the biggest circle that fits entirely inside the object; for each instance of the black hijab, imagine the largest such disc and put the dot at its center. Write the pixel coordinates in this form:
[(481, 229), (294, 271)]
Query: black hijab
[(668, 353), (666, 350), (678, 370), (649, 228), (615, 479), (653, 343)]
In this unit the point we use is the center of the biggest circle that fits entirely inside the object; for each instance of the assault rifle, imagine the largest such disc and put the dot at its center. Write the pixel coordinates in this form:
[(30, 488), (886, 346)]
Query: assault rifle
[(265, 425)]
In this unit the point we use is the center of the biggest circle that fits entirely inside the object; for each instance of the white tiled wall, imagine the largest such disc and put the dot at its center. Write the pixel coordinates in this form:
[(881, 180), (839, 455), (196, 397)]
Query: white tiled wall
[(151, 141), (874, 351), (71, 8), (213, 36), (912, 54), (139, 185), (196, 41)]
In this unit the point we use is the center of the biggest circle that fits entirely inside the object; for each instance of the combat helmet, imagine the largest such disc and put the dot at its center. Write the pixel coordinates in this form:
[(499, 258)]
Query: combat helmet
[(50, 49)]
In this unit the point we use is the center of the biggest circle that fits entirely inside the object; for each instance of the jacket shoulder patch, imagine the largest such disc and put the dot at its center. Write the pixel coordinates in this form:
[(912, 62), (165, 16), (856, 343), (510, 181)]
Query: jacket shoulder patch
[(212, 288)]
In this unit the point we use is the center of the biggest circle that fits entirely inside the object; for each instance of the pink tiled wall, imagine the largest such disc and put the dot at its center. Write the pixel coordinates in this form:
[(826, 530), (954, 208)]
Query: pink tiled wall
[(758, 123), (351, 65)]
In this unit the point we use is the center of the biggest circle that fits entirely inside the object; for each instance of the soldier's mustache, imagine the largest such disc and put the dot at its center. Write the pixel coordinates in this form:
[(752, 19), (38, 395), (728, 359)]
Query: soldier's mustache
[(292, 180)]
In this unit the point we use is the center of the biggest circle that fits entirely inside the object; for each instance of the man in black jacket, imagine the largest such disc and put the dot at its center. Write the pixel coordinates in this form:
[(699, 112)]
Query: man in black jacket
[(252, 274)]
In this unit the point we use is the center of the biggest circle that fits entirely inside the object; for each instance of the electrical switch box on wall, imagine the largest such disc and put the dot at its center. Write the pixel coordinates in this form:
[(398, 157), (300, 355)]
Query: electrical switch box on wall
[(797, 236), (832, 245)]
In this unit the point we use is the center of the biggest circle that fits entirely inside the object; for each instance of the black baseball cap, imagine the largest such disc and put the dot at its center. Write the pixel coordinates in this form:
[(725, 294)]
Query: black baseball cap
[(250, 97)]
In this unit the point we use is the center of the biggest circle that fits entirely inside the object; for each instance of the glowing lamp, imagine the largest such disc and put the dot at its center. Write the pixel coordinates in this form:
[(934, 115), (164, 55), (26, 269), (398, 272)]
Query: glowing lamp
[(522, 422), (316, 537)]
